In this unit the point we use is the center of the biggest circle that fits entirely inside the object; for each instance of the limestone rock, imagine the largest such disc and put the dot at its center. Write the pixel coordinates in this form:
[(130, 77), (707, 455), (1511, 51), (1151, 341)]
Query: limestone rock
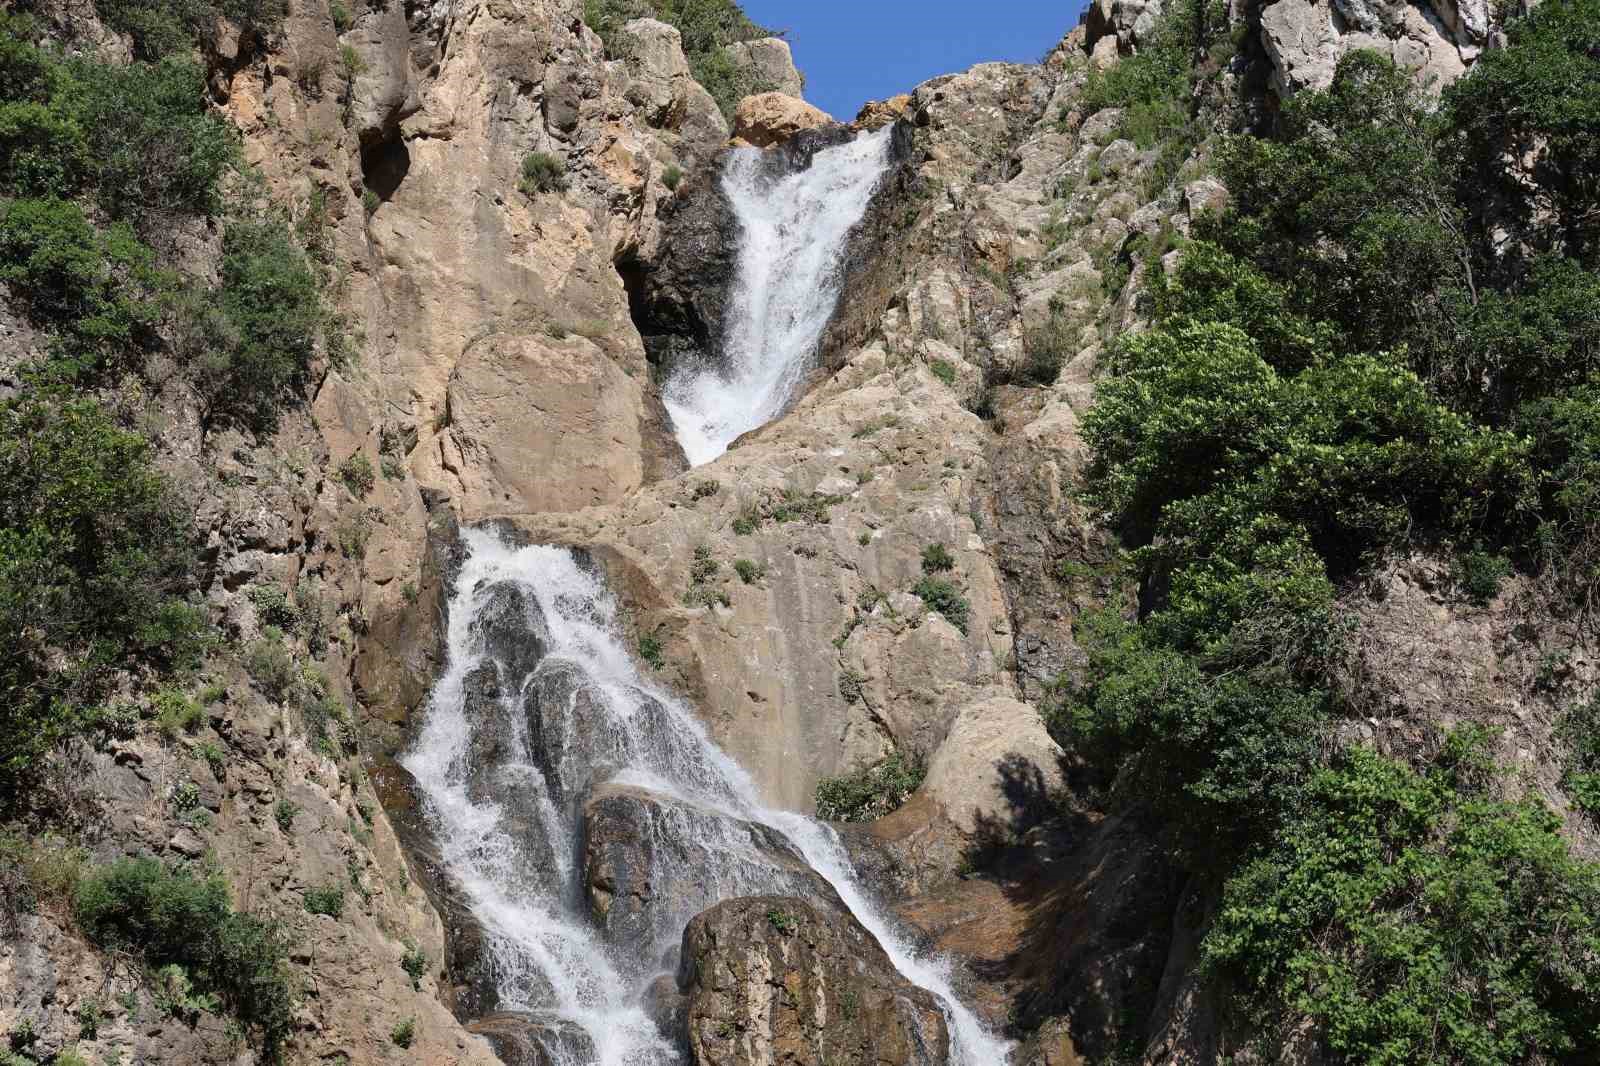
[(542, 424), (876, 114), (774, 979), (772, 118), (658, 72), (768, 64), (1305, 42), (999, 769)]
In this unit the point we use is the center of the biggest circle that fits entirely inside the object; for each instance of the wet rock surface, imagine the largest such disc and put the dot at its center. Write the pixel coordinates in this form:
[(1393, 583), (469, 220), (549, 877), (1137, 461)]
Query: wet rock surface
[(650, 862)]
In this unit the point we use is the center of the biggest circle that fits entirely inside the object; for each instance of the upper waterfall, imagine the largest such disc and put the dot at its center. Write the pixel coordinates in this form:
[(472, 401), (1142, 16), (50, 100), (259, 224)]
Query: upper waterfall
[(792, 233)]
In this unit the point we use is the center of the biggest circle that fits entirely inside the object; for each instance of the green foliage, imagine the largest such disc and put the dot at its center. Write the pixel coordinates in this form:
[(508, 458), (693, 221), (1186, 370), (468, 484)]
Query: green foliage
[(185, 926), (945, 598), (1533, 106), (176, 712), (270, 663), (249, 343), (415, 963), (328, 900), (870, 793), (1579, 730), (749, 571), (94, 556), (1219, 758), (672, 177), (97, 287), (782, 921), (159, 27), (340, 14), (274, 607), (284, 813), (543, 172), (1418, 921), (1478, 574), (704, 584), (404, 1033), (936, 559), (651, 652), (943, 370)]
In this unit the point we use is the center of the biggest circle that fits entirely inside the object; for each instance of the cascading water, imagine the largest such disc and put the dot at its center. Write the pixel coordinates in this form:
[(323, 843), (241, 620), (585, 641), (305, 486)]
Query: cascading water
[(792, 231), (540, 709)]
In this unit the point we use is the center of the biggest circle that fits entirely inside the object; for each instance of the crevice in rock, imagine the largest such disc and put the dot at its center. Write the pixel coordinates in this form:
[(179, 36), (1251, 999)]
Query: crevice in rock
[(384, 164)]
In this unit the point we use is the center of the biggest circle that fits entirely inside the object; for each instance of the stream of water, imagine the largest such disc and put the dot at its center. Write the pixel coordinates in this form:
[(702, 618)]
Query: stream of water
[(792, 235), (539, 707)]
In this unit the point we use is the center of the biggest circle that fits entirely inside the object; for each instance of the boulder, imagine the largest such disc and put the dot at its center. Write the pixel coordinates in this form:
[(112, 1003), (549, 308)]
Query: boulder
[(651, 862), (875, 114), (768, 65), (772, 118), (998, 770), (1304, 44), (775, 979), (523, 1039)]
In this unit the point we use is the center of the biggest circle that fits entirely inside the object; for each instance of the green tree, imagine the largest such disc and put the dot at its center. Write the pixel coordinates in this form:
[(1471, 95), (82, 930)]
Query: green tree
[(94, 559)]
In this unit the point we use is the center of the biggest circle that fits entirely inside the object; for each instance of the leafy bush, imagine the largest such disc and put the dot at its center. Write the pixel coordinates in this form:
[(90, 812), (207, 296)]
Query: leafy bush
[(177, 713), (651, 652), (254, 339), (936, 559), (270, 663), (404, 1033), (284, 813), (749, 571), (1479, 574), (945, 598), (543, 172), (328, 900), (96, 287), (870, 793), (173, 919), (1418, 922), (415, 963), (94, 554), (1580, 732), (159, 27), (1530, 108)]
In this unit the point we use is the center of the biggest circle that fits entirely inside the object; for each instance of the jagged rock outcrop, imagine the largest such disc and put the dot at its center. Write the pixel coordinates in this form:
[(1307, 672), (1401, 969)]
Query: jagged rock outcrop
[(772, 118), (768, 64), (772, 979)]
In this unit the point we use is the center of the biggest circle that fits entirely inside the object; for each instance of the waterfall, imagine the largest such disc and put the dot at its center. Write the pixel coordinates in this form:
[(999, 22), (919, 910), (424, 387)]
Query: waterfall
[(792, 232), (541, 708)]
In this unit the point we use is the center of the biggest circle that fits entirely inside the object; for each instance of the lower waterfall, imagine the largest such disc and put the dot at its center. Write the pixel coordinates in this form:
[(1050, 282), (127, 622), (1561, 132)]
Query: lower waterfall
[(792, 232), (540, 708)]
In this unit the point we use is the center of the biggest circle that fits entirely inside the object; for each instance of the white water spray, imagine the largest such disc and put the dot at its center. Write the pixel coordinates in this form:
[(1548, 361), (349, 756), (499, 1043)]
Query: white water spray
[(512, 848), (792, 231)]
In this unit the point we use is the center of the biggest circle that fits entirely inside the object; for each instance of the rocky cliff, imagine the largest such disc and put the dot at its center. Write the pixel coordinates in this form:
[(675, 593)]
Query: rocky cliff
[(899, 564)]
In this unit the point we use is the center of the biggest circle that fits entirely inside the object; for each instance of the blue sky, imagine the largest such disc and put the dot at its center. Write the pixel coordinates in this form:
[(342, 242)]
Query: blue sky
[(853, 51)]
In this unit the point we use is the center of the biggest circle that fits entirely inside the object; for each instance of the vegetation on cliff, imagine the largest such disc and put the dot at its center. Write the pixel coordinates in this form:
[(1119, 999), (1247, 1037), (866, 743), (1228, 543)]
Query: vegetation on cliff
[(1350, 362), (707, 27)]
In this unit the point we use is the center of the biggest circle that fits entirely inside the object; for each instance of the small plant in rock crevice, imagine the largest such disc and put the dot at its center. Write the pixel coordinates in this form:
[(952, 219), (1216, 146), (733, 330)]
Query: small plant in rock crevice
[(940, 595), (543, 172), (651, 652)]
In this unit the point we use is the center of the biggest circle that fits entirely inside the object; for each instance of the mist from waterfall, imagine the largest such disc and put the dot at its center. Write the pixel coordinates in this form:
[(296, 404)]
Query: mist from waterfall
[(518, 732), (792, 234)]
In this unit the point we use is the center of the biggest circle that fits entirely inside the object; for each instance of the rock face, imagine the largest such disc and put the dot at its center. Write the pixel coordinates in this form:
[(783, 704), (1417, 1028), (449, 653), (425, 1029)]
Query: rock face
[(768, 64), (772, 118), (1305, 41), (774, 980), (552, 424)]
